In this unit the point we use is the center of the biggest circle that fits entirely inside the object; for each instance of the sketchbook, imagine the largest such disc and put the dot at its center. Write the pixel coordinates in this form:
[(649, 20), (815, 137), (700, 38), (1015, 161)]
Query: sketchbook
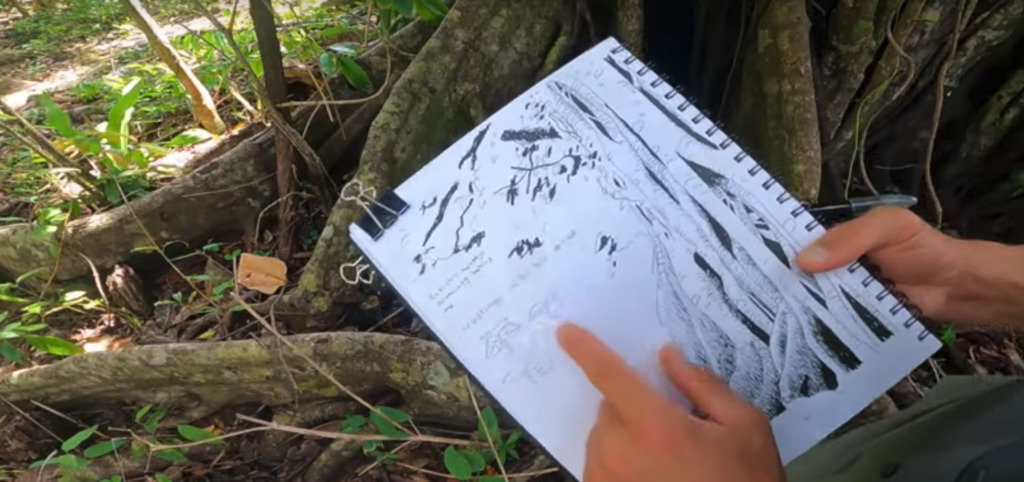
[(602, 196)]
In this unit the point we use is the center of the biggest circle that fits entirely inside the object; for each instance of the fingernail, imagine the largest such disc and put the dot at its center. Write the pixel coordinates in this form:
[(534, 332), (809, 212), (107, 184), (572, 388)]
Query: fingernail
[(815, 253)]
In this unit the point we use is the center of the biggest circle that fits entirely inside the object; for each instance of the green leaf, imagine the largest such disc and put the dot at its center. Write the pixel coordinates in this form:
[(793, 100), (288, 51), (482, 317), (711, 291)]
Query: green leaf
[(344, 48), (190, 137), (121, 113), (70, 461), (334, 64), (404, 7), (53, 345), (56, 118), (385, 427), (457, 464), (154, 420), (33, 328), (431, 10), (221, 288), (171, 455), (73, 295), (77, 439), (11, 298), (103, 448), (162, 478), (143, 411), (385, 4), (395, 414), (489, 420), (10, 353), (371, 446), (475, 459), (353, 423), (28, 275), (490, 478), (196, 434)]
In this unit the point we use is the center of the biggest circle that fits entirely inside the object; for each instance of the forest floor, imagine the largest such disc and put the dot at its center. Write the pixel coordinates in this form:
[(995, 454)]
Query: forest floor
[(83, 58)]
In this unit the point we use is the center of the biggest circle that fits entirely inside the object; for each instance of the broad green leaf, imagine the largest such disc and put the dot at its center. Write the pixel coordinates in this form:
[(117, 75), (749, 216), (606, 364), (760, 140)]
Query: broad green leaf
[(335, 30), (28, 275), (404, 7), (385, 427), (353, 423), (334, 64), (75, 440), (371, 446), (56, 118), (475, 459), (53, 345), (143, 411), (73, 295), (11, 298), (431, 10), (384, 4), (395, 414), (190, 137), (489, 420), (35, 308), (10, 353), (221, 288), (457, 464), (196, 434), (344, 48), (70, 461), (162, 478), (121, 113), (33, 328), (103, 448), (171, 455), (490, 478)]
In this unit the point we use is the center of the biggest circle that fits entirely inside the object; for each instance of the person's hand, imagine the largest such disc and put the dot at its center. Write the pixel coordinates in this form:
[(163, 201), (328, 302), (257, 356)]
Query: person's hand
[(642, 435), (921, 261), (951, 280)]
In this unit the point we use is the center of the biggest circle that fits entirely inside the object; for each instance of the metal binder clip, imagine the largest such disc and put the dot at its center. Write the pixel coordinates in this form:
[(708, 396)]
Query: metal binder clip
[(383, 211), (361, 272)]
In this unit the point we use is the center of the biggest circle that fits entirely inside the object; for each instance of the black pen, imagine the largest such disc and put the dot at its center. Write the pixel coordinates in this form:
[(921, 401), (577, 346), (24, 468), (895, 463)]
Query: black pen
[(856, 206)]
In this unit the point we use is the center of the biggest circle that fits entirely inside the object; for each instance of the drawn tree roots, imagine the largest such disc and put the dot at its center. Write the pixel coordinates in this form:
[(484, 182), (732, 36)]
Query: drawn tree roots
[(812, 91)]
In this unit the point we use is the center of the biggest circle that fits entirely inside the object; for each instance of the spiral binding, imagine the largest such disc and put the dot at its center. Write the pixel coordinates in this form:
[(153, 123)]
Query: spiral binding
[(800, 210)]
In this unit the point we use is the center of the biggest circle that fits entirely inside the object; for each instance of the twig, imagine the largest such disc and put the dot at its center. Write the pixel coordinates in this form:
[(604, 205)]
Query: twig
[(316, 168), (232, 188), (940, 94), (487, 432), (378, 461), (383, 87), (30, 419), (316, 366), (96, 278), (387, 318), (353, 436), (448, 476), (160, 250)]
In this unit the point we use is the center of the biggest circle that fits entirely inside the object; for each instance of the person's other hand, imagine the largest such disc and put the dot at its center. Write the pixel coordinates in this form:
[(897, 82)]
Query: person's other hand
[(921, 261), (642, 435)]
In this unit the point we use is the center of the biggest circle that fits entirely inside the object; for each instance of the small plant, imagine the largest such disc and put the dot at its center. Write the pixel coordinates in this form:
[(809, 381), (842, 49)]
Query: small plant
[(71, 458), (30, 321)]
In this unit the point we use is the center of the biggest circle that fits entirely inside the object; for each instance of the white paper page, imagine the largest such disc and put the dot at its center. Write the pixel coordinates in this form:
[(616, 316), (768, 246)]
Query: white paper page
[(575, 202)]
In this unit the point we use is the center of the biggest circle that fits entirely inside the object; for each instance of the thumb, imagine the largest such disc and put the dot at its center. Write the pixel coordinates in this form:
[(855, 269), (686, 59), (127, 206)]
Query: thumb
[(709, 394), (846, 242)]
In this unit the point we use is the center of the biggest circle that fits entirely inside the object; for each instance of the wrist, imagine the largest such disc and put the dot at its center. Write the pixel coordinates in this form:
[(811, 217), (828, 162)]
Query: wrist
[(988, 283)]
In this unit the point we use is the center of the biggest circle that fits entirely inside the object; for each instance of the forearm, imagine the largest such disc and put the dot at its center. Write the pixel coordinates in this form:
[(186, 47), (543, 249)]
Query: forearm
[(989, 286)]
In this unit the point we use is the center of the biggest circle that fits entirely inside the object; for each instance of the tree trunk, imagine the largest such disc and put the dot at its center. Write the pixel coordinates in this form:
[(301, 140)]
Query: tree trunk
[(277, 88), (482, 56), (203, 107)]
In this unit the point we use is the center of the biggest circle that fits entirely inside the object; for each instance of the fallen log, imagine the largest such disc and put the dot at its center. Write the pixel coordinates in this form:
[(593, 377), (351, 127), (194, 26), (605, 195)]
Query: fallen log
[(203, 378), (223, 197)]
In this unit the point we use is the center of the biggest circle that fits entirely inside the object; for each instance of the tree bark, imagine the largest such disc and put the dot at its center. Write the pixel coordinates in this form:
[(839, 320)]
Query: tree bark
[(203, 106), (482, 56), (277, 89), (776, 115), (208, 377)]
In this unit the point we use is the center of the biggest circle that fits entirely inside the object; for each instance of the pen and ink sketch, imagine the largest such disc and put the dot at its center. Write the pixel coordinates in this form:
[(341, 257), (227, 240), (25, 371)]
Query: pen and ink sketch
[(712, 296)]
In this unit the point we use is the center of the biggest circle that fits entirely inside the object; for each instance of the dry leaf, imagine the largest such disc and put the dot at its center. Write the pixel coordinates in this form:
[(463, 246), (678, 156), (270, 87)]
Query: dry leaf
[(261, 273)]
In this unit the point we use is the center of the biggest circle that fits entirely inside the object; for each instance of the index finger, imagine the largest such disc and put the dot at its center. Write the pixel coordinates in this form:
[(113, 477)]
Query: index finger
[(624, 389)]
